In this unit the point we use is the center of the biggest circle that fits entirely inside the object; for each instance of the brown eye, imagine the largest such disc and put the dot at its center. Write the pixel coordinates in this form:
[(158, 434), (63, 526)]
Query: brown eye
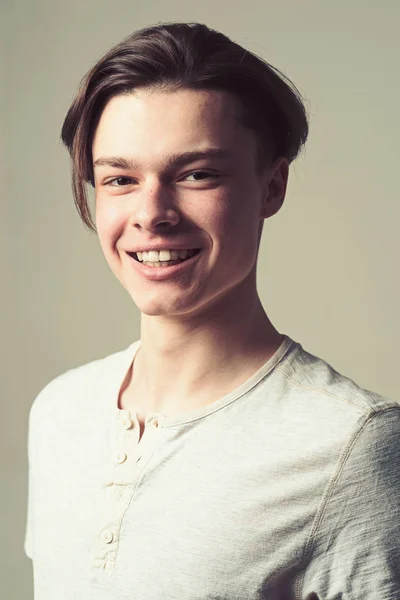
[(201, 175), (119, 179)]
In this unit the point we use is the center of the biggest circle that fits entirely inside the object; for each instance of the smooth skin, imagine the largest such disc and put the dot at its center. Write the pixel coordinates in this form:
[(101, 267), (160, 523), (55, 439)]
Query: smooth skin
[(205, 332)]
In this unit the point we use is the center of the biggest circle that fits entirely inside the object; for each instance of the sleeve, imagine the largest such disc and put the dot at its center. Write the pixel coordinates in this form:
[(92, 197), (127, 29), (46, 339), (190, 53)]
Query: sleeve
[(28, 542), (355, 550)]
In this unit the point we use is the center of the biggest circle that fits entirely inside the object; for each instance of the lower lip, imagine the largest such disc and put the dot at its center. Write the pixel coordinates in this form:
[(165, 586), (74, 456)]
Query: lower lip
[(162, 273)]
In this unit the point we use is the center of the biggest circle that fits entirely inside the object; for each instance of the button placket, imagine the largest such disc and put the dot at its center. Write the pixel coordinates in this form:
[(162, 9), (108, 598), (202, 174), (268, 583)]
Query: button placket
[(123, 471), (118, 491), (105, 550), (126, 440)]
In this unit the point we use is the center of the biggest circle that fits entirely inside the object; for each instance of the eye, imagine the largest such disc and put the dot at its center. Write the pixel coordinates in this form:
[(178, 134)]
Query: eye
[(120, 179), (200, 176)]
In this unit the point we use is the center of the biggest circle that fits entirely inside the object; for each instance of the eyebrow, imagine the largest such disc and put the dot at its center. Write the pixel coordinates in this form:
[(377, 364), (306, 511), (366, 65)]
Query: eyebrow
[(175, 160)]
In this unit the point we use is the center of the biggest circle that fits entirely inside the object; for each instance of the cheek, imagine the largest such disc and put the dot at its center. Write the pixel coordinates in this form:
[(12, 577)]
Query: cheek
[(237, 234), (109, 227), (236, 223)]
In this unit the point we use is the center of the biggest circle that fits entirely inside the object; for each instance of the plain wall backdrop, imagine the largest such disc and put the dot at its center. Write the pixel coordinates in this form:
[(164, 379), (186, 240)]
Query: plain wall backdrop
[(328, 267)]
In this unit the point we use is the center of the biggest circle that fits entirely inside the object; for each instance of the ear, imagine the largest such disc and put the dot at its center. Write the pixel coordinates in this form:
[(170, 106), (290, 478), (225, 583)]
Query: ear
[(275, 187)]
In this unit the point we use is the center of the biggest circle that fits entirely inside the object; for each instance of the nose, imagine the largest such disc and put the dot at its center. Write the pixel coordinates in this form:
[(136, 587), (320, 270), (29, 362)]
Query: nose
[(154, 208)]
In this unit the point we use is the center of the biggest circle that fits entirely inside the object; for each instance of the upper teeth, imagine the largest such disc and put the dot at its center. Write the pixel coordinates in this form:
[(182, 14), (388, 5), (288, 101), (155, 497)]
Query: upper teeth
[(163, 255)]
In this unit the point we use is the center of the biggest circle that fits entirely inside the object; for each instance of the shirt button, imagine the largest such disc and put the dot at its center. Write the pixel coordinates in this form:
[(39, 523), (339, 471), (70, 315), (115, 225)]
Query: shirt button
[(107, 536), (127, 423), (121, 457)]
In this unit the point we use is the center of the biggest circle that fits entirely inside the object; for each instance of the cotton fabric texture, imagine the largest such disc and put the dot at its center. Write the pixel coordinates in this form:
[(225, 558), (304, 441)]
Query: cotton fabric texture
[(288, 486)]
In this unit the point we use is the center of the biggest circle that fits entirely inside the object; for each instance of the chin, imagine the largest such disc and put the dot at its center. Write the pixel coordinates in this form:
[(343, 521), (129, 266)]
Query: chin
[(160, 308)]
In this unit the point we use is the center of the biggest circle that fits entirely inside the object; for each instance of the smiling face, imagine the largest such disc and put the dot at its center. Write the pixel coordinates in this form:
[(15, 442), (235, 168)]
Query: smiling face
[(189, 179)]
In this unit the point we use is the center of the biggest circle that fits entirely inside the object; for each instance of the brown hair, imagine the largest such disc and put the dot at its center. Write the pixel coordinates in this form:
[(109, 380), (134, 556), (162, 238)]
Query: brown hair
[(192, 56)]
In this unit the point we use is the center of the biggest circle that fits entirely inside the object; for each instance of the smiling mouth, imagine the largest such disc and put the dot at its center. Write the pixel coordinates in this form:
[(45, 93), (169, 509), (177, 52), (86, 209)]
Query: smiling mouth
[(164, 258)]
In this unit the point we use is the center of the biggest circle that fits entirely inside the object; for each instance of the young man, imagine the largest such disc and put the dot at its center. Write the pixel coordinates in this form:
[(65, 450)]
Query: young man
[(214, 457)]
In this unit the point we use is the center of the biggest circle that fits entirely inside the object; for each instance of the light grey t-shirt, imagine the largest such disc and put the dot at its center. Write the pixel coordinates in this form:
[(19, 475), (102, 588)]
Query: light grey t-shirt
[(288, 485)]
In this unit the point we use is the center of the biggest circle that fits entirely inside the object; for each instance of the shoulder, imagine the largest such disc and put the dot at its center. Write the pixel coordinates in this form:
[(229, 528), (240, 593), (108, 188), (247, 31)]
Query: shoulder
[(312, 377), (78, 384)]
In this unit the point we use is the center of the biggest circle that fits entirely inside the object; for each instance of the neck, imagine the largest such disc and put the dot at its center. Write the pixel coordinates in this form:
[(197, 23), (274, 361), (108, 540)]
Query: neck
[(202, 357)]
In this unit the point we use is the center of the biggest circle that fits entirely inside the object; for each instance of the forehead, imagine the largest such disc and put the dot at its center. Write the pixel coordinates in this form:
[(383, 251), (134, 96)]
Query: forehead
[(148, 122)]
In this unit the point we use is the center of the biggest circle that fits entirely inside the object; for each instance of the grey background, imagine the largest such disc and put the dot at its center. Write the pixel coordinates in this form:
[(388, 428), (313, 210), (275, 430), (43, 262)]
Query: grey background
[(328, 268)]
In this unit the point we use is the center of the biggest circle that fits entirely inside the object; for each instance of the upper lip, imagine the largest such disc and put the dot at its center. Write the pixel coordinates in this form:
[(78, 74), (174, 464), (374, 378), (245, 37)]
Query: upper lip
[(159, 247)]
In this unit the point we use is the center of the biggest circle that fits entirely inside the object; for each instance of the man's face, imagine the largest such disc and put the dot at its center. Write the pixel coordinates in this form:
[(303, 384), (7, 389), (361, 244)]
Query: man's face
[(212, 199)]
